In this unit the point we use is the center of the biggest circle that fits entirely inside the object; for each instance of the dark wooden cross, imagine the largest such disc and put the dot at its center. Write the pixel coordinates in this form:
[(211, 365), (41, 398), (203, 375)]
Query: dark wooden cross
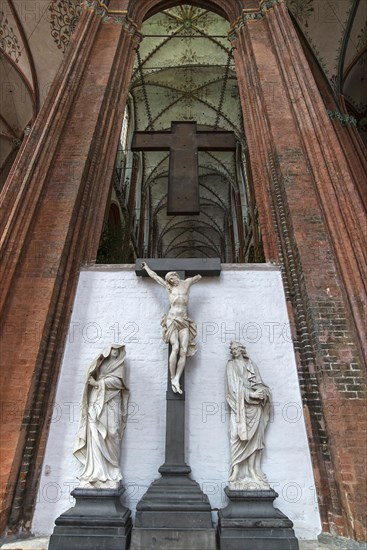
[(183, 141)]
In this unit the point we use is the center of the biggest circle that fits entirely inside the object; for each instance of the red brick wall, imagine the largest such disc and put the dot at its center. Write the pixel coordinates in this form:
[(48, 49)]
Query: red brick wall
[(310, 212), (307, 197), (55, 216)]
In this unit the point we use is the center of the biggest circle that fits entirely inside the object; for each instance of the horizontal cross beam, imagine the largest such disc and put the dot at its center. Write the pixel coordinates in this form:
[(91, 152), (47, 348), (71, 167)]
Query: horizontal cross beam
[(207, 267), (184, 141), (164, 141)]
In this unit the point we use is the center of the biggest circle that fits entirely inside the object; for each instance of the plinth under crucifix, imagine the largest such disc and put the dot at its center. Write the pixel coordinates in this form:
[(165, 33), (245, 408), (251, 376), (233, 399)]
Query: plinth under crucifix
[(174, 514)]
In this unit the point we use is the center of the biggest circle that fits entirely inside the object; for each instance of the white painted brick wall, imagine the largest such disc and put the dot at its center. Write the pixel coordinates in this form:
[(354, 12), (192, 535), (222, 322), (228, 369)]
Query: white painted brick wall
[(246, 304)]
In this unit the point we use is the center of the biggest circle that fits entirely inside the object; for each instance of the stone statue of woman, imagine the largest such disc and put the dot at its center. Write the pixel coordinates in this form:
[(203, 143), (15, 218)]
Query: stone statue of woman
[(249, 400), (102, 420)]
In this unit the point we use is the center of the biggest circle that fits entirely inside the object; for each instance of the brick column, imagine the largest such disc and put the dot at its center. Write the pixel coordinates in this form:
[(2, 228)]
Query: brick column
[(53, 207), (311, 214)]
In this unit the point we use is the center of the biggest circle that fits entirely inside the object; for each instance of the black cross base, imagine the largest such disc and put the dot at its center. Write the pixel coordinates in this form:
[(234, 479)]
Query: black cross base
[(174, 513)]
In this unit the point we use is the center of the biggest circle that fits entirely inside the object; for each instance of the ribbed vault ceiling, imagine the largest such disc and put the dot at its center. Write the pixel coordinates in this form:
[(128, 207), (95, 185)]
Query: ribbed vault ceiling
[(185, 72), (336, 32), (35, 33)]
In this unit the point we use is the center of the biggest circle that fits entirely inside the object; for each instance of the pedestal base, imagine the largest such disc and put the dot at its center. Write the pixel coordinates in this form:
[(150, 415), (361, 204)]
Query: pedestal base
[(98, 520), (250, 522), (174, 514)]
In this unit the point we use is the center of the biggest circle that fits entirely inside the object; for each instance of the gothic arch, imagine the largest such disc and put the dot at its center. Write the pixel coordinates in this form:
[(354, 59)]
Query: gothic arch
[(311, 220), (138, 10)]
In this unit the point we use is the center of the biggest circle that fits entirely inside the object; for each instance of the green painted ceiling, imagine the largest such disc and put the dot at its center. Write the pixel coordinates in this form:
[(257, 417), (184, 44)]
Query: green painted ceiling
[(184, 58), (185, 72)]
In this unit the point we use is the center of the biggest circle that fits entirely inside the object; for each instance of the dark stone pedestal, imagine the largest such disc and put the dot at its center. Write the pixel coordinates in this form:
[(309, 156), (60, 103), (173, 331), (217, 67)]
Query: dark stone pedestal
[(174, 514), (98, 520), (250, 522)]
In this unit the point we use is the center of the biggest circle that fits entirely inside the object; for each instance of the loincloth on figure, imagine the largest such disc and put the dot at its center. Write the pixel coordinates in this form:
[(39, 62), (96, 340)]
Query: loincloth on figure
[(179, 324)]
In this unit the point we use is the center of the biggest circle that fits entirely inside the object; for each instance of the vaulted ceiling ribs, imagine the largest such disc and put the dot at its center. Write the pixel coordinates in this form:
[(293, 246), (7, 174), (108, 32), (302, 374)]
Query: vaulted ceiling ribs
[(337, 35), (185, 72), (34, 35)]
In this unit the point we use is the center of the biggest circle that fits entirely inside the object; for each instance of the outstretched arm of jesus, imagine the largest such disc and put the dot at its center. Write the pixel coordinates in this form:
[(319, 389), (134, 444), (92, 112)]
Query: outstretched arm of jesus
[(193, 280), (153, 275)]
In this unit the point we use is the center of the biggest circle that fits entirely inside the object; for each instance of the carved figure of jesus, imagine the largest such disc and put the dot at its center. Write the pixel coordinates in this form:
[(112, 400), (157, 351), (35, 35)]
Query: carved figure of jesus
[(178, 329)]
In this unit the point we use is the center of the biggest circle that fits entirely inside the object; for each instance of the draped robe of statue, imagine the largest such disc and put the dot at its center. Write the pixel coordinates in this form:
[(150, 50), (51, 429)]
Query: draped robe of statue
[(102, 420), (248, 420)]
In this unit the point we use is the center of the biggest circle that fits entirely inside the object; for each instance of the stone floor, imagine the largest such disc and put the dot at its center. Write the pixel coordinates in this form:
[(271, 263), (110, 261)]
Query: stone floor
[(30, 544), (42, 544)]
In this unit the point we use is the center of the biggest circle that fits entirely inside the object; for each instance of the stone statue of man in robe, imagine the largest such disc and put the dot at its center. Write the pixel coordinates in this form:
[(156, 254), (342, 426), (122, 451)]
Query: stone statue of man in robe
[(102, 420), (249, 400), (178, 329)]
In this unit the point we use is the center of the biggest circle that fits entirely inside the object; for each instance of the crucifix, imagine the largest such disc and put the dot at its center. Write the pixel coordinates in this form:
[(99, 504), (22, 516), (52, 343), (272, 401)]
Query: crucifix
[(174, 505), (184, 141)]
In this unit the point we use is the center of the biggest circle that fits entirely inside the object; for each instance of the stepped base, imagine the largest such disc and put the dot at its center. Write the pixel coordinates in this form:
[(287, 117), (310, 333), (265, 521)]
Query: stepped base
[(98, 520), (173, 539), (250, 522), (174, 514)]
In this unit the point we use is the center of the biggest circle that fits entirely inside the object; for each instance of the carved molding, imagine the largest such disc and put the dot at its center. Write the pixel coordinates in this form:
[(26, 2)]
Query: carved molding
[(249, 15), (118, 17), (266, 5), (97, 6), (345, 120)]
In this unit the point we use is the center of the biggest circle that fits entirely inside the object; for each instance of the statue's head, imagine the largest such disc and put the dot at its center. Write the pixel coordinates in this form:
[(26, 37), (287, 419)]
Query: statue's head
[(237, 349), (113, 350), (172, 278)]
